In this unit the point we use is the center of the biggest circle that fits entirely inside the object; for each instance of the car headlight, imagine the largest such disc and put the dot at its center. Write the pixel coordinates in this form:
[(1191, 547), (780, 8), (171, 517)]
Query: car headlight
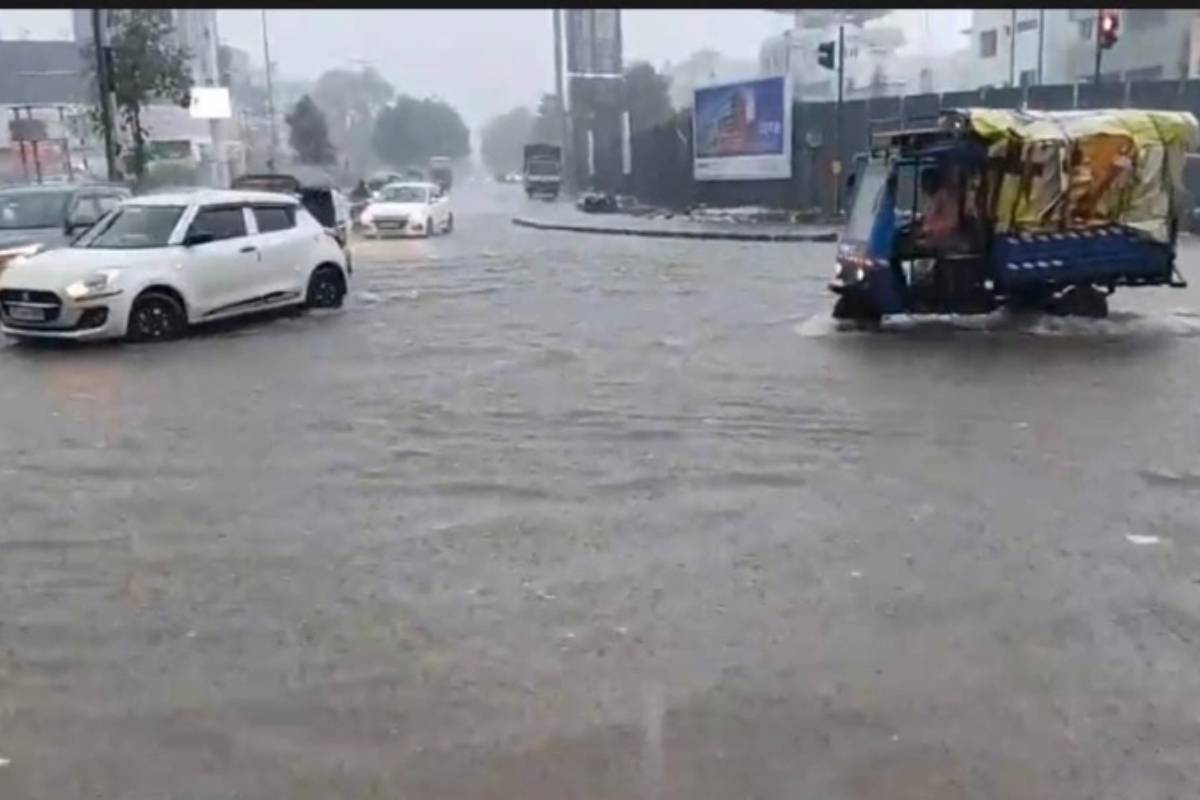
[(367, 217), (101, 284), (15, 253)]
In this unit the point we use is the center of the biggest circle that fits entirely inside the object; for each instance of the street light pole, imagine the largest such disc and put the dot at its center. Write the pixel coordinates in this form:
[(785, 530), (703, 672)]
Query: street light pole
[(837, 116), (564, 121), (270, 93), (1099, 49), (100, 42)]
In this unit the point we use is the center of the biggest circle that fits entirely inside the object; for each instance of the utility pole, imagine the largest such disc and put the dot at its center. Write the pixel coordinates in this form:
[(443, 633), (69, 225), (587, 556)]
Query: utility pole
[(1041, 42), (1012, 48), (837, 116), (100, 42), (270, 94), (220, 174), (564, 120)]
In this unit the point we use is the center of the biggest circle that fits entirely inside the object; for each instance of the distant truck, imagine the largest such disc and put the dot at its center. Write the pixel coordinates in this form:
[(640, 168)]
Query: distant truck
[(543, 170), (440, 172)]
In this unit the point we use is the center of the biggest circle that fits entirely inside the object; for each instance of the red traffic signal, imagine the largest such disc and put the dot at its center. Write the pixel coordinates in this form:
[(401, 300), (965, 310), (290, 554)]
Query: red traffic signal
[(1110, 21), (825, 55)]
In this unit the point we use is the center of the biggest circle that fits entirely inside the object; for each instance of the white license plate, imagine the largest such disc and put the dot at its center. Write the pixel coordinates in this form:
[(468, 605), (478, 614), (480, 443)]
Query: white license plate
[(391, 226), (26, 314)]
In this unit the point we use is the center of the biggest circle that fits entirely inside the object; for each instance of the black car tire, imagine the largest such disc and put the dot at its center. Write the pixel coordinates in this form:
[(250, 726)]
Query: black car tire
[(155, 317), (326, 288), (450, 224)]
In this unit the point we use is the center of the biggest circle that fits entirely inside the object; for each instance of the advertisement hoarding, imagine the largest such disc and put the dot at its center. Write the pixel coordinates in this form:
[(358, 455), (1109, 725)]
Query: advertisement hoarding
[(743, 131), (594, 42)]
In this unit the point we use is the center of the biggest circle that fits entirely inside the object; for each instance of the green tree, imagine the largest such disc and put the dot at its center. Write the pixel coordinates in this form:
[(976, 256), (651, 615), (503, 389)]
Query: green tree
[(503, 139), (309, 135), (647, 96), (146, 67), (352, 102), (411, 131)]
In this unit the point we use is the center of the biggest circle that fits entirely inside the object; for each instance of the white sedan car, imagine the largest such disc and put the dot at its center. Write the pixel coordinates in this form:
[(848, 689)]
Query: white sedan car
[(403, 209), (156, 264)]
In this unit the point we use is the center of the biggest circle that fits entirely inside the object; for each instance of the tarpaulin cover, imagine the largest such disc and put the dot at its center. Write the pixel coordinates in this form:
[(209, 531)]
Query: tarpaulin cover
[(1077, 169)]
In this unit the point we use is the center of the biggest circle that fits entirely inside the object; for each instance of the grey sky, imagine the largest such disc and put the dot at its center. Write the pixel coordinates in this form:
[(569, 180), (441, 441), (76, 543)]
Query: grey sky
[(483, 61)]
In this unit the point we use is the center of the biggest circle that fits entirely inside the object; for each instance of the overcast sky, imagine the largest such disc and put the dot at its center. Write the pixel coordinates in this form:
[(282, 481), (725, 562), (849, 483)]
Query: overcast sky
[(483, 61)]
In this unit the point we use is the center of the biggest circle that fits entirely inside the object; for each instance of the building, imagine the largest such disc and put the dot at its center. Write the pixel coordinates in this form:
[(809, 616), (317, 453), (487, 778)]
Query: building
[(43, 80), (873, 67), (1055, 46), (703, 68)]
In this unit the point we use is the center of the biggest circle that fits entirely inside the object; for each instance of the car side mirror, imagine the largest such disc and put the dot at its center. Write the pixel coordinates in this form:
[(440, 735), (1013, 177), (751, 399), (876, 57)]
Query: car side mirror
[(199, 237)]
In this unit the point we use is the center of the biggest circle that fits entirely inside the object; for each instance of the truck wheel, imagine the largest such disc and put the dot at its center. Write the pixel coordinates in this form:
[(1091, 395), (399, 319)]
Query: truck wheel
[(450, 224), (1080, 301)]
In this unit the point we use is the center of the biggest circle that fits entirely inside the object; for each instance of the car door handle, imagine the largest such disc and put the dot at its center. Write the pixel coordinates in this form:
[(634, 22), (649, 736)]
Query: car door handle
[(249, 249)]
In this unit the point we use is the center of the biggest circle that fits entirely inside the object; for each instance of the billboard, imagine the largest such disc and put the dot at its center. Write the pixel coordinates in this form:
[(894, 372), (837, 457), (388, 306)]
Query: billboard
[(743, 131), (594, 42)]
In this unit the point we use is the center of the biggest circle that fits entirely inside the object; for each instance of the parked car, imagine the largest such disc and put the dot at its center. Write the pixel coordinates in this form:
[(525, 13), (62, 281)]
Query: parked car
[(35, 218), (159, 263), (402, 209)]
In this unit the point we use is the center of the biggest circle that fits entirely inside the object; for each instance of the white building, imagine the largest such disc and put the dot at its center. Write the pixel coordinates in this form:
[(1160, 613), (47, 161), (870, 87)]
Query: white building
[(874, 66), (1012, 47), (702, 68)]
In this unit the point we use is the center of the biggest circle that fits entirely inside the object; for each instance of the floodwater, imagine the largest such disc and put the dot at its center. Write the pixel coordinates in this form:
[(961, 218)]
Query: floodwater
[(547, 515)]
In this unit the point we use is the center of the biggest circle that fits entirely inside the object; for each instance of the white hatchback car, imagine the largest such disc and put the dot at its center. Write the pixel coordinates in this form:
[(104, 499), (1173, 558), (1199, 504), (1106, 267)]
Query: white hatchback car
[(402, 209), (158, 263)]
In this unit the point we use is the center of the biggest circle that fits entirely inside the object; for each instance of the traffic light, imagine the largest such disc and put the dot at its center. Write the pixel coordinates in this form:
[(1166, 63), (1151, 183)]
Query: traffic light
[(826, 55), (1110, 20)]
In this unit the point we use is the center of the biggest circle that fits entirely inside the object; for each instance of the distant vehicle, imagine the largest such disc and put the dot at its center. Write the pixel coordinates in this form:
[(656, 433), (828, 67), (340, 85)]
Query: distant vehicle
[(405, 209), (382, 179), (987, 208), (441, 173), (36, 218), (159, 263), (543, 170)]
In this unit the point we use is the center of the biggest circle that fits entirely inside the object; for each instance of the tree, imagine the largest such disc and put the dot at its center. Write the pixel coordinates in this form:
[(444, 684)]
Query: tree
[(146, 66), (647, 96), (352, 102), (309, 133), (503, 140), (547, 127), (411, 131)]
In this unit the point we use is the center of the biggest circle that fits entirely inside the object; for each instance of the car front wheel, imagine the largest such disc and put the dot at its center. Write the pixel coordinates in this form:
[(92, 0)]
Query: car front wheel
[(155, 316), (326, 289)]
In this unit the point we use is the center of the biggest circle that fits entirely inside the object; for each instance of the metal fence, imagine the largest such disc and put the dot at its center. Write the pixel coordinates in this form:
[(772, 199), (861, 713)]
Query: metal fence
[(662, 156)]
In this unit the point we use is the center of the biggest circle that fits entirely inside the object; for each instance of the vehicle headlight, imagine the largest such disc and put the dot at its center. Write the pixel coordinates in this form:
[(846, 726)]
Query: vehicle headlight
[(101, 283), (367, 216), (16, 253)]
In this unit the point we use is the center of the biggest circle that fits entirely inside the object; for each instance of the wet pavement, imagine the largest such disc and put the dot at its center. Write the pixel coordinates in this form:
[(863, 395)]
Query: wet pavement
[(546, 515)]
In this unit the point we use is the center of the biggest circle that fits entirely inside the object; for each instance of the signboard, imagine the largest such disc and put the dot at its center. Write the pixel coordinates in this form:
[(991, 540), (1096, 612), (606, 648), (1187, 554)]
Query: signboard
[(27, 130), (210, 102), (743, 131), (594, 42)]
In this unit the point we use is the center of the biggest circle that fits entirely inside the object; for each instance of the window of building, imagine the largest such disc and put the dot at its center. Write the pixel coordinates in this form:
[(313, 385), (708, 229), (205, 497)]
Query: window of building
[(1027, 25), (987, 44), (1028, 77), (1085, 29), (1138, 19)]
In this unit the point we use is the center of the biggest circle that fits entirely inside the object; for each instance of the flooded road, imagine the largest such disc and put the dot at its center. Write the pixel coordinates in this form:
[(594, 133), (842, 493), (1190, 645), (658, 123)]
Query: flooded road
[(546, 515)]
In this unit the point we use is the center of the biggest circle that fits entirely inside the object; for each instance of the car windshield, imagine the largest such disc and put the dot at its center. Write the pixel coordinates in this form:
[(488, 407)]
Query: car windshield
[(866, 202), (133, 227), (403, 194), (22, 209)]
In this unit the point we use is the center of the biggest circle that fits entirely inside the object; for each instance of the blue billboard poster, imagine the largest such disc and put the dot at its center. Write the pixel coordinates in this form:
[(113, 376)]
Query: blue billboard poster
[(743, 131)]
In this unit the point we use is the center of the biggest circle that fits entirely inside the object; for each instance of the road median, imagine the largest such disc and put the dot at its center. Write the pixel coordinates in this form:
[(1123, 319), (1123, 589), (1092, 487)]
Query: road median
[(653, 232)]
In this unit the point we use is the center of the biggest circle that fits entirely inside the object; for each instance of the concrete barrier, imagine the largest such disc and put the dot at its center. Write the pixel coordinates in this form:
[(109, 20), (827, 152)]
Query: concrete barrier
[(660, 233)]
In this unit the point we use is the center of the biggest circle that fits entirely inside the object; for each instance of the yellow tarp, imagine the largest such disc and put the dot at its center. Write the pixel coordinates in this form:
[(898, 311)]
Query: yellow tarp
[(1069, 169)]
